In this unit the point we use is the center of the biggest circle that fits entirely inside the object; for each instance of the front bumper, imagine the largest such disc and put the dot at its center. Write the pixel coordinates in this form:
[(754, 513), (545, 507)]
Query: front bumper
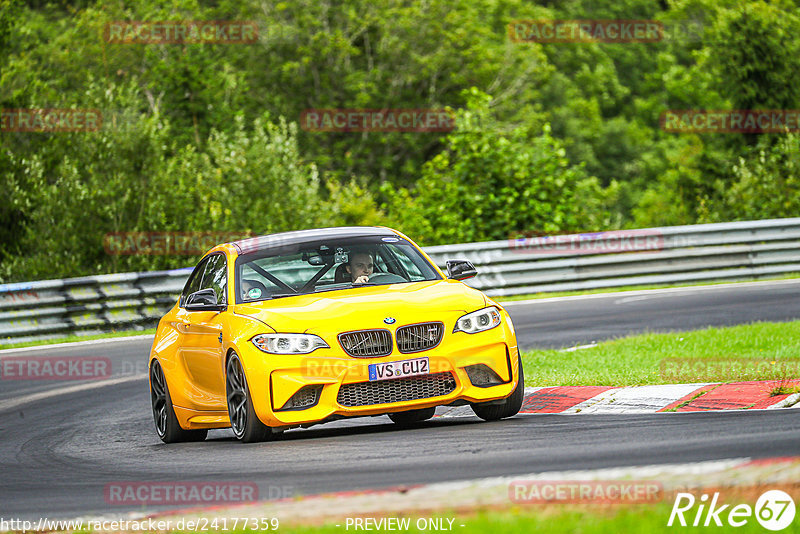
[(342, 387)]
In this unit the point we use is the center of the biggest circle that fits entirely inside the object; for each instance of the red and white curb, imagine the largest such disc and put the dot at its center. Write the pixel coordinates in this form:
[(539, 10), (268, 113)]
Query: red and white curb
[(649, 399)]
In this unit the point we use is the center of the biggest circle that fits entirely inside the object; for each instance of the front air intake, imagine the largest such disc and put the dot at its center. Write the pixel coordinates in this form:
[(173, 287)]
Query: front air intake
[(396, 390), (306, 397)]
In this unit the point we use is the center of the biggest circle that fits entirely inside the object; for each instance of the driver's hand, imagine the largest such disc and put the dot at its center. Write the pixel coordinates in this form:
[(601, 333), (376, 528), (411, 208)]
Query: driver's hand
[(363, 279)]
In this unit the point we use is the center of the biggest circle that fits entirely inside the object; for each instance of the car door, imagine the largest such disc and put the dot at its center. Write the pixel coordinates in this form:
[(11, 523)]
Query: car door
[(201, 347)]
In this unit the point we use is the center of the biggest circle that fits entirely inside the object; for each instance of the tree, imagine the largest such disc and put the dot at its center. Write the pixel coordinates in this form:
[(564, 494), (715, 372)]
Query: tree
[(488, 184)]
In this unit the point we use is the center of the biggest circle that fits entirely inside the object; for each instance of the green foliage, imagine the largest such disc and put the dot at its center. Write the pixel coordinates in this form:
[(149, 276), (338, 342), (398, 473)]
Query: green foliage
[(767, 185), (757, 55), (488, 184), (205, 137), (132, 177), (390, 54)]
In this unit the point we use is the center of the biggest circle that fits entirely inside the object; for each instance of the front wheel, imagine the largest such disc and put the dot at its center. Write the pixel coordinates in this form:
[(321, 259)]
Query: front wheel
[(167, 426), (246, 425), (509, 408)]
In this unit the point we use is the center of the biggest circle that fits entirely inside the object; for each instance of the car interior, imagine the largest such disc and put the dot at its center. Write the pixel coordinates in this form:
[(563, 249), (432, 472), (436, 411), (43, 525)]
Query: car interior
[(312, 270)]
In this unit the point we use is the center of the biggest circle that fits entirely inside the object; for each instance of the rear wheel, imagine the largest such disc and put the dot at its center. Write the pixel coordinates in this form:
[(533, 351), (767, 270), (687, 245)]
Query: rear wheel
[(412, 416), (167, 426), (246, 425), (510, 407)]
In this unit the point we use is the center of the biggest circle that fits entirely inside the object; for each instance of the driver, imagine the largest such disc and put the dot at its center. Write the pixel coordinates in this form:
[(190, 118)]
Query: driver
[(360, 267)]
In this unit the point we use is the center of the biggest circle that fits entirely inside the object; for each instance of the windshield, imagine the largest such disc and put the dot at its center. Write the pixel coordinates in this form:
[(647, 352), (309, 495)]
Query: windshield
[(329, 265)]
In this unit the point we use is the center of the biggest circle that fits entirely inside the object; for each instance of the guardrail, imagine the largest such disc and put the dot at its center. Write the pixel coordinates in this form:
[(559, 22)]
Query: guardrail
[(724, 251), (745, 250)]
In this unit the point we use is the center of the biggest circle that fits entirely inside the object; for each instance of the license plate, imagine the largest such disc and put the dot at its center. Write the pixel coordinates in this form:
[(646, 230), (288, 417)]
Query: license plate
[(400, 369)]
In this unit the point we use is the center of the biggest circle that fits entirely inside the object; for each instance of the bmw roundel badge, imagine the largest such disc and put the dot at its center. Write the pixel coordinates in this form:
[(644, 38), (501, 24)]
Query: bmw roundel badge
[(389, 320)]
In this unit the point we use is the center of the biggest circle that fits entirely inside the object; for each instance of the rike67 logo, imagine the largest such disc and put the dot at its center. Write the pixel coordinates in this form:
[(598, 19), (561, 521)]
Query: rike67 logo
[(774, 510)]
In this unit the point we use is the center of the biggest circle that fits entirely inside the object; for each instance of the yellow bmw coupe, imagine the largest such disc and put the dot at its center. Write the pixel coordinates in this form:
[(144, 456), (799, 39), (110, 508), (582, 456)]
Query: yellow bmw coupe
[(299, 328)]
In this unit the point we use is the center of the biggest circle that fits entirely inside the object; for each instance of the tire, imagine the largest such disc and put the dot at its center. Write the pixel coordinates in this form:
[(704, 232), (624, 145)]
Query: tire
[(412, 416), (246, 425), (167, 426), (509, 408)]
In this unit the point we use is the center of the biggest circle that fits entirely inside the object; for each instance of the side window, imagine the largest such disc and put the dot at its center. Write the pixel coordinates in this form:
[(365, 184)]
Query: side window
[(253, 284), (411, 268), (193, 284), (380, 264), (216, 277)]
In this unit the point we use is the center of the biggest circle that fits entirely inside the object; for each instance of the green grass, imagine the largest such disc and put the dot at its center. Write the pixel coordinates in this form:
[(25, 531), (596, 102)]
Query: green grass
[(674, 358), (686, 402), (637, 519), (785, 389), (72, 339), (621, 289)]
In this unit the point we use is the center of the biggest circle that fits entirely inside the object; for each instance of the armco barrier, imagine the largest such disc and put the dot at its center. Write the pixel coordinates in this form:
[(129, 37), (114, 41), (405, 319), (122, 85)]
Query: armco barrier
[(87, 305), (724, 251)]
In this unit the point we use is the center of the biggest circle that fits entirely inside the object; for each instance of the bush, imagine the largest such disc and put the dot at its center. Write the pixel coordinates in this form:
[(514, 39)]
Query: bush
[(488, 184), (131, 177)]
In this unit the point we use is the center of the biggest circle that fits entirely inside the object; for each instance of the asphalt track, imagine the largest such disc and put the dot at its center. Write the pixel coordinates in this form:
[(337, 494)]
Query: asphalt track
[(62, 443)]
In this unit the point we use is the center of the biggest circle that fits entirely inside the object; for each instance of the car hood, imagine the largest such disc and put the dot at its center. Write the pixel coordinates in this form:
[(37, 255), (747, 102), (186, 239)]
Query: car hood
[(367, 307)]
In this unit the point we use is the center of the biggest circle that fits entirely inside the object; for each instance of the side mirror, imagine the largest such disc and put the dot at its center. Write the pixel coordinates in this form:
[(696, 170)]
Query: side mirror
[(460, 269), (203, 300)]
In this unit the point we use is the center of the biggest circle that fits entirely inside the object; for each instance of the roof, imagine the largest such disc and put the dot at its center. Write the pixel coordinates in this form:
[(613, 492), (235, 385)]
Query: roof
[(254, 244)]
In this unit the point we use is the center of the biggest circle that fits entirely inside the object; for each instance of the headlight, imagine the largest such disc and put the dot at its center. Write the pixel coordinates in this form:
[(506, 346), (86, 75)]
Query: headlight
[(289, 343), (478, 321)]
